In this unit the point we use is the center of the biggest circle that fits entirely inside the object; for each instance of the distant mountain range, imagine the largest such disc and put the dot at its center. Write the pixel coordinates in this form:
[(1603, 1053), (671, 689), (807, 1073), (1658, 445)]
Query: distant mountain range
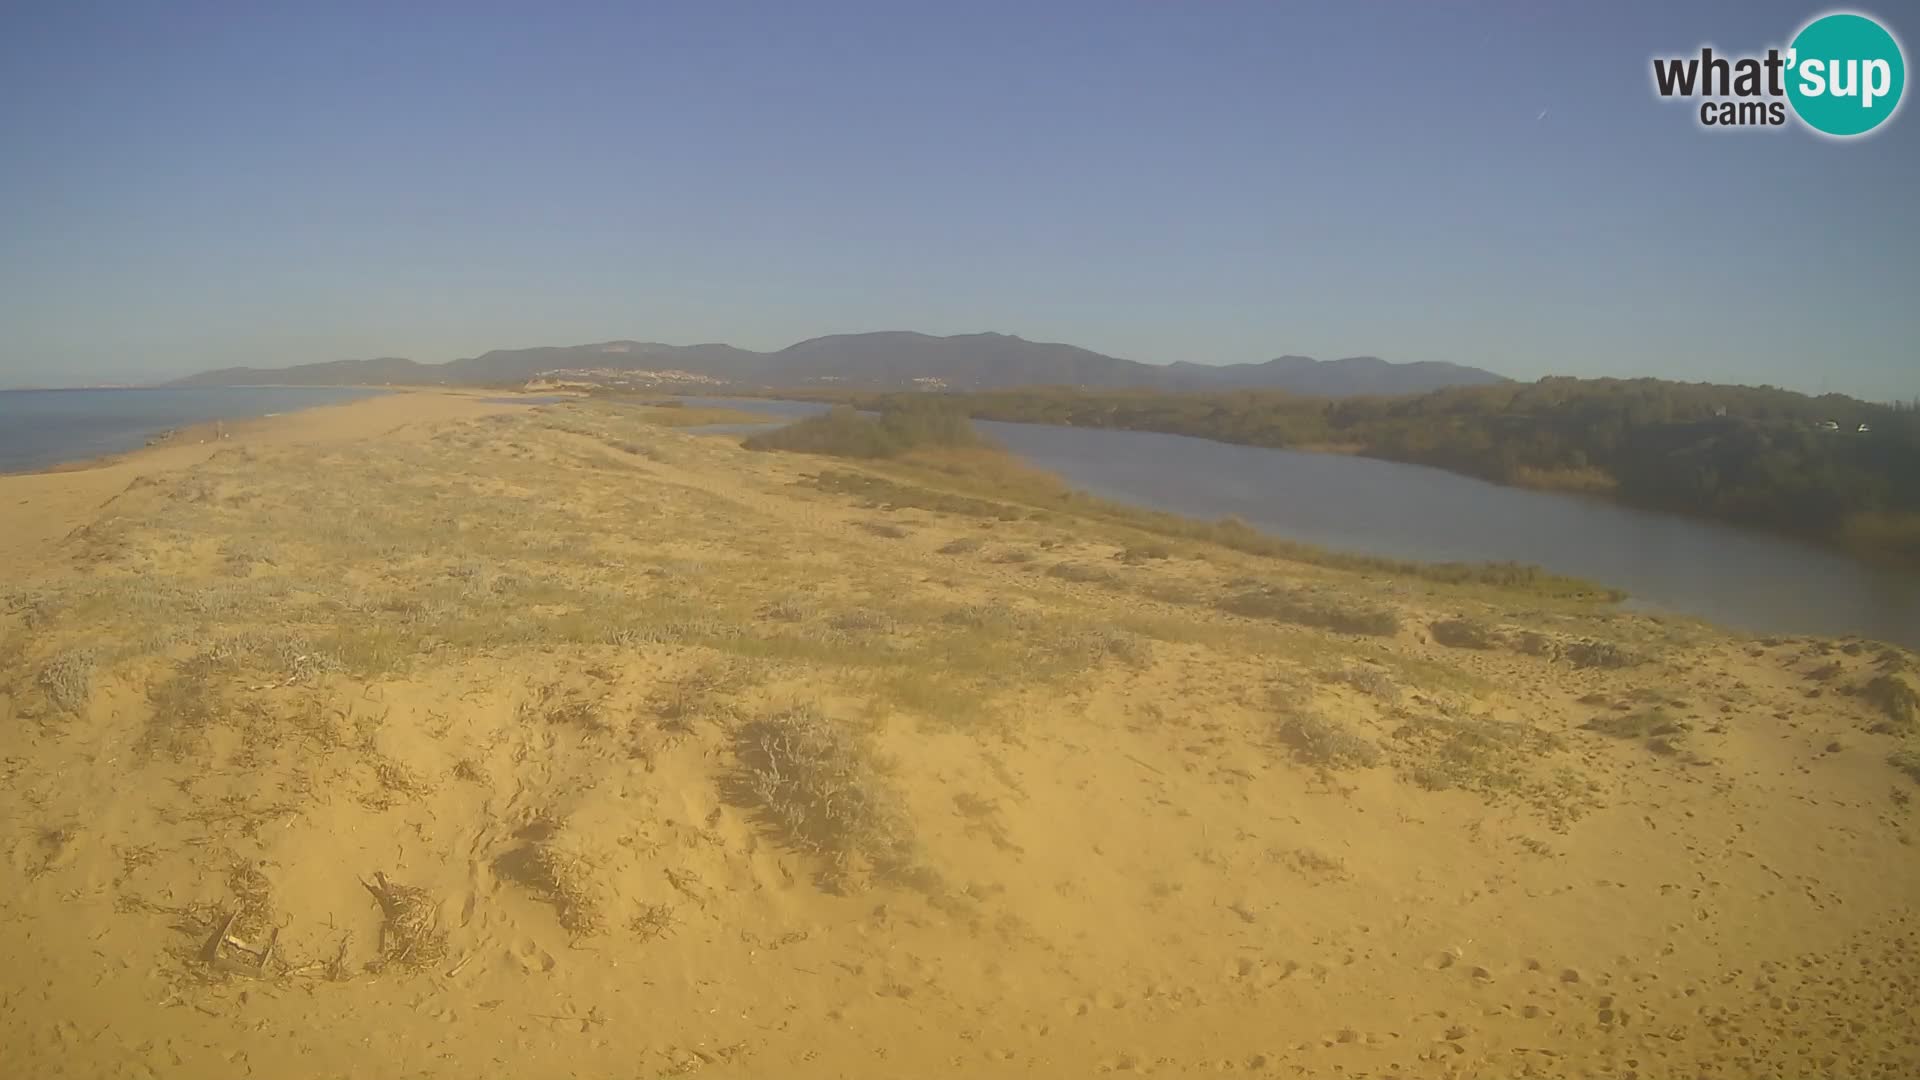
[(889, 359)]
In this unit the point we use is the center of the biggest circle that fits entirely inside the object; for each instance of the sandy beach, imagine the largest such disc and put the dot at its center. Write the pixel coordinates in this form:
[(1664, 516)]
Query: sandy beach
[(44, 506), (428, 736)]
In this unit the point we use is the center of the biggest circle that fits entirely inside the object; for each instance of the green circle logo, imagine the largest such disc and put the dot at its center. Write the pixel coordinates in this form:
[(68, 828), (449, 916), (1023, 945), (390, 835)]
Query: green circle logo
[(1844, 74)]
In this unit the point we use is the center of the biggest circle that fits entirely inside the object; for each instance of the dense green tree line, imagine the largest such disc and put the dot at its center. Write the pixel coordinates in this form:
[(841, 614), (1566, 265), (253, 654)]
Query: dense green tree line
[(1757, 456)]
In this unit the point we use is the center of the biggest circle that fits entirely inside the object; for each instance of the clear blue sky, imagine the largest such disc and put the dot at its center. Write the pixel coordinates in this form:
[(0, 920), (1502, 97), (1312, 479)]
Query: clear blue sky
[(185, 186)]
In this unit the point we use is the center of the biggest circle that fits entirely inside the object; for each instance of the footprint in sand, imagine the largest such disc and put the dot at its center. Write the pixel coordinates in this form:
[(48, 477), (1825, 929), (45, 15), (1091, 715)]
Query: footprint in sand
[(465, 903), (531, 957)]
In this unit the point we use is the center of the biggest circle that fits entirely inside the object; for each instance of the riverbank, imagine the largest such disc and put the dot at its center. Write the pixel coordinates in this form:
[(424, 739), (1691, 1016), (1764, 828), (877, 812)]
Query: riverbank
[(1352, 512), (497, 741), (1753, 457)]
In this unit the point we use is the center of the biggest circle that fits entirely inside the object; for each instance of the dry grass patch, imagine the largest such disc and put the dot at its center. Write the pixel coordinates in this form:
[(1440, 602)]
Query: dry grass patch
[(1465, 633), (1301, 608), (653, 922), (182, 707), (863, 621), (1456, 750), (788, 609), (67, 680), (1080, 572), (1312, 864), (880, 493), (1139, 553), (397, 780), (559, 873), (1601, 654), (410, 931), (1099, 645), (1370, 681), (1323, 741), (1534, 643), (1661, 732), (1645, 724), (823, 789), (1897, 700), (252, 911)]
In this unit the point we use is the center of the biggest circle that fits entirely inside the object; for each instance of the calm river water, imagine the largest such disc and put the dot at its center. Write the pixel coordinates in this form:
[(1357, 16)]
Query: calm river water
[(1665, 562)]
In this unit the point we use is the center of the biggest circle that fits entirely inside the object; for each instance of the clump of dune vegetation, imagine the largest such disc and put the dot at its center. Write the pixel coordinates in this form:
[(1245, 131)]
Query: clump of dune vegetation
[(1442, 748), (1464, 633), (1144, 552), (1601, 654), (1321, 740), (823, 789), (1370, 681), (1896, 699), (67, 679), (558, 871), (1660, 732), (411, 934), (1644, 724)]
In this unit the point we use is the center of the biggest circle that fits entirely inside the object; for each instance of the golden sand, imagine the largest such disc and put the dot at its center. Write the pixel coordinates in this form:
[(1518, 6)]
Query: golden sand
[(423, 736)]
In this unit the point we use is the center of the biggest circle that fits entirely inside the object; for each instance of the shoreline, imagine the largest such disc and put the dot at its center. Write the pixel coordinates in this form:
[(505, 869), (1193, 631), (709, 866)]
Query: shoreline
[(50, 503), (222, 429)]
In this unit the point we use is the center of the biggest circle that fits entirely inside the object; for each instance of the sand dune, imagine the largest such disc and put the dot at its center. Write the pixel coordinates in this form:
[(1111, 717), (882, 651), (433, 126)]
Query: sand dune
[(427, 737)]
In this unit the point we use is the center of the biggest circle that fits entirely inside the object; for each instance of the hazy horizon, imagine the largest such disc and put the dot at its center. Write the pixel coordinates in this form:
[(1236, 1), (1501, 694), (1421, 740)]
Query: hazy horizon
[(215, 186), (162, 379)]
